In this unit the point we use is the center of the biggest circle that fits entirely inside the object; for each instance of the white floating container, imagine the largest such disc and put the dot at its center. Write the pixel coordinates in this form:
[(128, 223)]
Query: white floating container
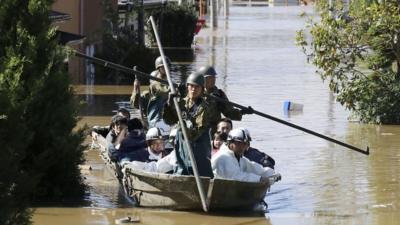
[(291, 106)]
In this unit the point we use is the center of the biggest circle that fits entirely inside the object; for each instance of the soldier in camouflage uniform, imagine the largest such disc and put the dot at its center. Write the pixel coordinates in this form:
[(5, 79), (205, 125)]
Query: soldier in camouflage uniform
[(217, 108), (154, 99), (195, 113)]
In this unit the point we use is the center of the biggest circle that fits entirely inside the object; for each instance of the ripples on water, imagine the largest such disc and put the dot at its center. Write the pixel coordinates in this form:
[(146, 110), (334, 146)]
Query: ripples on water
[(323, 183)]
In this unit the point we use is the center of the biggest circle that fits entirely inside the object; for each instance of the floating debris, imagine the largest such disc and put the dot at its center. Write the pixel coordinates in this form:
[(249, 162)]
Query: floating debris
[(128, 220)]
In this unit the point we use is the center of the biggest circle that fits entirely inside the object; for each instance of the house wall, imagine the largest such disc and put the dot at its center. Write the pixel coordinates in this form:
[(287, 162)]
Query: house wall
[(86, 20)]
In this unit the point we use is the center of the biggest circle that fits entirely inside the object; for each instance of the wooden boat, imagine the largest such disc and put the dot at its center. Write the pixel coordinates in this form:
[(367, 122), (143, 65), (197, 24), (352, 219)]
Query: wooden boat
[(148, 189)]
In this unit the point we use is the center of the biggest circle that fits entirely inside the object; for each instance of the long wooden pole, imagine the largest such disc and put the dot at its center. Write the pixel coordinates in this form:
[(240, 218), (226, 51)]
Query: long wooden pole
[(366, 152), (181, 122), (145, 75), (137, 90)]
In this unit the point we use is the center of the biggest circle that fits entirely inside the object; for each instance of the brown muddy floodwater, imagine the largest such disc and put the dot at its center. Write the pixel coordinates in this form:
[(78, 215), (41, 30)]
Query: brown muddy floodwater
[(258, 64)]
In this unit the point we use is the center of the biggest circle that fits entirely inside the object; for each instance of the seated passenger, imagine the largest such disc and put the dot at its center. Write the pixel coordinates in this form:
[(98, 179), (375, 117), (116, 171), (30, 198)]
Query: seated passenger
[(155, 143), (224, 125), (218, 140), (256, 155), (118, 124), (104, 130), (133, 146), (165, 165), (229, 163)]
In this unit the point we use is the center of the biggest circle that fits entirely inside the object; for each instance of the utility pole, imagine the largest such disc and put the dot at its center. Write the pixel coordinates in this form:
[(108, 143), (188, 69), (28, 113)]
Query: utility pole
[(213, 14), (141, 23), (226, 9)]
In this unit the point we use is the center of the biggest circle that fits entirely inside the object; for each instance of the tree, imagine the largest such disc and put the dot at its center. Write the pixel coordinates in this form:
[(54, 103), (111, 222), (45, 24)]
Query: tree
[(358, 51), (120, 44), (14, 183), (176, 24), (40, 152)]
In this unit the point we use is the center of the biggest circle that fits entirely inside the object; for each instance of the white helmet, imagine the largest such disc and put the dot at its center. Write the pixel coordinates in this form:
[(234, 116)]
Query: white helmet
[(237, 135), (247, 132), (153, 133)]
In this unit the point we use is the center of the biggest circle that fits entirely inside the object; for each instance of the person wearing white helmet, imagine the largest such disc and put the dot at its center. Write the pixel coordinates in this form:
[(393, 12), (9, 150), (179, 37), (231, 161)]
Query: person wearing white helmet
[(229, 163), (155, 143), (163, 165), (256, 155)]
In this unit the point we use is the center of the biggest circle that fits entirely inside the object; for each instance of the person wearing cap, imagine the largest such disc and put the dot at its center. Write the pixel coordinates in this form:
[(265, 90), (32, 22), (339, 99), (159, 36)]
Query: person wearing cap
[(217, 108), (256, 155), (195, 113), (229, 163), (154, 99)]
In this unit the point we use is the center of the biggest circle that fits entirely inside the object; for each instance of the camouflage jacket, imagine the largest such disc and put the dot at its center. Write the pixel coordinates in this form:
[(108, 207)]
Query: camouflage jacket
[(196, 116), (216, 108)]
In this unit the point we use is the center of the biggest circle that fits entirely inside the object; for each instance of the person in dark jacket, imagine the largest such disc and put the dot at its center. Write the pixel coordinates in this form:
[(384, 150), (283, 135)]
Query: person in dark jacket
[(256, 155), (133, 146), (118, 125), (217, 108)]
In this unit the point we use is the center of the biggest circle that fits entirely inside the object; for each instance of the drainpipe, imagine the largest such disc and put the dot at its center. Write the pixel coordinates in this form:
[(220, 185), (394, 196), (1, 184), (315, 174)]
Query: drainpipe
[(82, 63), (81, 17)]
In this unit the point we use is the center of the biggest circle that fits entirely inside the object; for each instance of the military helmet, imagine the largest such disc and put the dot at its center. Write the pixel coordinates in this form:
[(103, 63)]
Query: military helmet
[(195, 78), (207, 71), (237, 135), (153, 133), (159, 62)]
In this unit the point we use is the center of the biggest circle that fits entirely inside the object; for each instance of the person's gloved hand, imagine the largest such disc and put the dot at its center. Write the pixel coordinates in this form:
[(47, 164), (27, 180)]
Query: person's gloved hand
[(277, 177), (171, 97), (267, 180), (248, 110), (271, 179), (136, 85), (182, 89)]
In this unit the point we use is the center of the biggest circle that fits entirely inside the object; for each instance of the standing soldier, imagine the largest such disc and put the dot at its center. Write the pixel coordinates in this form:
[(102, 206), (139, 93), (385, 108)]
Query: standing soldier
[(217, 108), (195, 113), (151, 102)]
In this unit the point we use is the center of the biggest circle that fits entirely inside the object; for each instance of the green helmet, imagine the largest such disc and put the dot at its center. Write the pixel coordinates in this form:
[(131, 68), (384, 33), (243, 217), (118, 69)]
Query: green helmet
[(159, 62), (207, 71), (195, 78)]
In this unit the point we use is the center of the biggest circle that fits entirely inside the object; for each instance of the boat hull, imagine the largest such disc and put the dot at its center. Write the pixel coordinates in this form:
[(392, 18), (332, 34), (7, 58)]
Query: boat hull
[(157, 190)]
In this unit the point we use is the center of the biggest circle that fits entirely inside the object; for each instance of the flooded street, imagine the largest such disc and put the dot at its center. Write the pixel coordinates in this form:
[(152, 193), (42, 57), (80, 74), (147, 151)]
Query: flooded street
[(259, 65)]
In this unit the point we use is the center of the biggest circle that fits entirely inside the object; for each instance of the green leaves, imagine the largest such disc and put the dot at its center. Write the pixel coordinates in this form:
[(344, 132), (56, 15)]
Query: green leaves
[(177, 25), (358, 51), (40, 151)]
